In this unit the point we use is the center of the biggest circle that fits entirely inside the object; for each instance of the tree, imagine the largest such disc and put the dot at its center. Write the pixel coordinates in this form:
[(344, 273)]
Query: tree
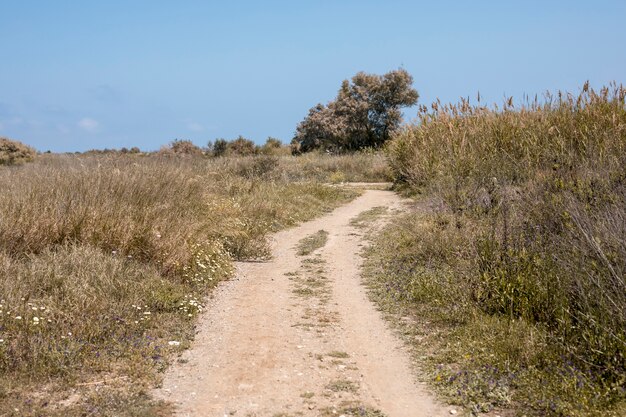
[(364, 114)]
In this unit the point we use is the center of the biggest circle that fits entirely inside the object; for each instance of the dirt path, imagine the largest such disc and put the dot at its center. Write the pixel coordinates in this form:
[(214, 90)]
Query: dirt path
[(297, 336)]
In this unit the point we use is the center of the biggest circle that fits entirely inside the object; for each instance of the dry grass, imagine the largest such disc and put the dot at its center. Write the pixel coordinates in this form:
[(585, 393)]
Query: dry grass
[(312, 243), (520, 255), (15, 153), (105, 262), (312, 166), (366, 218), (342, 385)]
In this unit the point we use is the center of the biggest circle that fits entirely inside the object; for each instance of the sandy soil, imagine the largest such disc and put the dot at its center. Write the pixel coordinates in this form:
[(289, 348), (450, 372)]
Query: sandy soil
[(297, 336)]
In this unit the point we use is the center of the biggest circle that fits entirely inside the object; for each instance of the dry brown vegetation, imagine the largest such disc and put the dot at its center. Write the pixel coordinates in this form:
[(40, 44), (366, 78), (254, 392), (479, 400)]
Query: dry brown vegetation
[(15, 153), (313, 166), (105, 262), (516, 261)]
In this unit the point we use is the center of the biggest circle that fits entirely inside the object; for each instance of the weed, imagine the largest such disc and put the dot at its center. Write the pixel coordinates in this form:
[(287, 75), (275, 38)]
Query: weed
[(313, 242), (304, 291), (366, 218), (338, 354), (352, 408), (342, 385), (337, 177)]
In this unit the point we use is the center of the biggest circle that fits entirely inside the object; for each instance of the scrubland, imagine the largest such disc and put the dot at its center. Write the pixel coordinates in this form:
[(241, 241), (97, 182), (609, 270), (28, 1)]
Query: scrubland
[(507, 277), (105, 262), (364, 166), (510, 273)]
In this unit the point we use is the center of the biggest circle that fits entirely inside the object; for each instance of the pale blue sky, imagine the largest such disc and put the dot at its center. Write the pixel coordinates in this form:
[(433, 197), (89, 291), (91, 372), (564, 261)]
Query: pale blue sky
[(77, 75)]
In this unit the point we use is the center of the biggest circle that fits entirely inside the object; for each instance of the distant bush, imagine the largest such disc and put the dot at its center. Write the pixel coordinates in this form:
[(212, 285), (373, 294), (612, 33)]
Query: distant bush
[(272, 143), (15, 153), (273, 146), (220, 147), (242, 147), (113, 152), (133, 150), (182, 147), (237, 147)]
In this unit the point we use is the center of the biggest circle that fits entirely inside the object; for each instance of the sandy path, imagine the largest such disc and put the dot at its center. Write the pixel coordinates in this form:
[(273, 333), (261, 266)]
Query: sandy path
[(298, 336)]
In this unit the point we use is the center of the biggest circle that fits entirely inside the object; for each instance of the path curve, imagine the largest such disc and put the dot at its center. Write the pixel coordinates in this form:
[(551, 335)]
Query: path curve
[(298, 336)]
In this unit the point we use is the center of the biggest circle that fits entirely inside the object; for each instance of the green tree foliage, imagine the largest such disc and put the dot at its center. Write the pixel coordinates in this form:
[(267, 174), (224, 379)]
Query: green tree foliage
[(220, 147), (364, 114)]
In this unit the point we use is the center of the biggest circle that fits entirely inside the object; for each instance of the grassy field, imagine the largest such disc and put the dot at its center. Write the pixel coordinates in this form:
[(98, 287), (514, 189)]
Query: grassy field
[(511, 270), (507, 278), (314, 166), (105, 262)]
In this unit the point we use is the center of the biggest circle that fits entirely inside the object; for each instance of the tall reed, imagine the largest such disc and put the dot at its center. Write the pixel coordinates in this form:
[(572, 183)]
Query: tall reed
[(539, 191)]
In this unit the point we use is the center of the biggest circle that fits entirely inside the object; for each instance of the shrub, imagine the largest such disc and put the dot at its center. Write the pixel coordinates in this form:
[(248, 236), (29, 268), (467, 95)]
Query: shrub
[(337, 177), (242, 147), (540, 190), (260, 166), (273, 146), (272, 143), (15, 153), (182, 147), (220, 147)]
